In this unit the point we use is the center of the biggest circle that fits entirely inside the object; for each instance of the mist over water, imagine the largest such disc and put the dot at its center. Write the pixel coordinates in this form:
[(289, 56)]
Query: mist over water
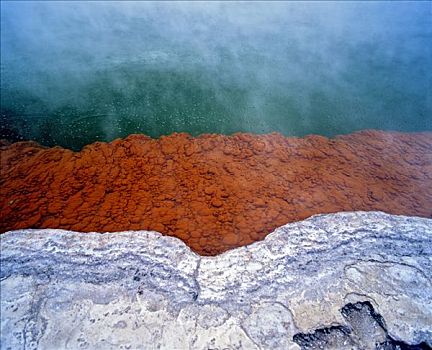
[(76, 72)]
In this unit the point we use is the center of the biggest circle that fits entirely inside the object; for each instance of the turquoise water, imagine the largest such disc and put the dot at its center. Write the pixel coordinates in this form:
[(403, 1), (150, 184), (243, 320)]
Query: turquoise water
[(75, 73)]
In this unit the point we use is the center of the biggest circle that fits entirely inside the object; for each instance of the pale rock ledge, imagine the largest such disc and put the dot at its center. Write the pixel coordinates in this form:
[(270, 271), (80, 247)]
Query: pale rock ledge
[(357, 280)]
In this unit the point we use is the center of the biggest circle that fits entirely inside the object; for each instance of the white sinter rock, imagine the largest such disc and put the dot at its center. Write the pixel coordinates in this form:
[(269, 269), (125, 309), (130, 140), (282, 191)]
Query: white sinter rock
[(338, 281)]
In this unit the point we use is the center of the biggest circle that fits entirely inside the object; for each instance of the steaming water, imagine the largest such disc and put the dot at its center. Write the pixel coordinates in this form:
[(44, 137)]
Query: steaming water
[(74, 73)]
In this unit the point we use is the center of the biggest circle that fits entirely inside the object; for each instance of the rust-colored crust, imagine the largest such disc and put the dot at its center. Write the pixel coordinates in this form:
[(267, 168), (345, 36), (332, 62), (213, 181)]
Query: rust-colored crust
[(214, 192)]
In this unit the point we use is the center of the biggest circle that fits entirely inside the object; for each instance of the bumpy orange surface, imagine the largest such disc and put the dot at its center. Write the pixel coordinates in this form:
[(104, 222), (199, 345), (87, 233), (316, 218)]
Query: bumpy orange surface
[(214, 192)]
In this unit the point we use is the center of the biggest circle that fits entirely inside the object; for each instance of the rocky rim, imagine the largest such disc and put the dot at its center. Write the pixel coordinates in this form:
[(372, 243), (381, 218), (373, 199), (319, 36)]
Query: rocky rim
[(339, 281)]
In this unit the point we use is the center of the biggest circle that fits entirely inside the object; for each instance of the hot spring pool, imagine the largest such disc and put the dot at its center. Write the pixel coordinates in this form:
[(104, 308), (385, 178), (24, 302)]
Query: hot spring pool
[(75, 73)]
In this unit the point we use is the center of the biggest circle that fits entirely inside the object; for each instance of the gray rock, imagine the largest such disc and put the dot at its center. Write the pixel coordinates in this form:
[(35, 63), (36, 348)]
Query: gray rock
[(357, 280)]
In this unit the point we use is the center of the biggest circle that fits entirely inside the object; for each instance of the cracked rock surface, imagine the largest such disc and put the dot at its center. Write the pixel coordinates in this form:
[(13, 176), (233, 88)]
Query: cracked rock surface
[(358, 280)]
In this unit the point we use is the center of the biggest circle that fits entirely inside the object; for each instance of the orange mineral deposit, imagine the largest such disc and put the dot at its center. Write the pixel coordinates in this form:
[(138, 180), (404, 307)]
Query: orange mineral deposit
[(214, 192)]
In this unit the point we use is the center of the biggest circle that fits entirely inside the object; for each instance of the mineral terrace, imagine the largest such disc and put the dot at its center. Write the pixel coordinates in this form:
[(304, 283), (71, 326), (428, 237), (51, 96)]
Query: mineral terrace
[(359, 280)]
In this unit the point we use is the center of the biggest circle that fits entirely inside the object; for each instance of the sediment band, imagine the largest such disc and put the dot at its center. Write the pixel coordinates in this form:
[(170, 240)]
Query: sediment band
[(214, 192)]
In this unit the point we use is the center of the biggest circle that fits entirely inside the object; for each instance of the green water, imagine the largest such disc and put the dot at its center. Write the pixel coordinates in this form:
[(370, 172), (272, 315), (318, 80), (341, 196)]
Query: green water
[(75, 73)]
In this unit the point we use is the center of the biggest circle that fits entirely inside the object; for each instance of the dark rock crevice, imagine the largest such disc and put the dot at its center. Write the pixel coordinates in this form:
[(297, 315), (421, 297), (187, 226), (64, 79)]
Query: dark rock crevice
[(365, 329)]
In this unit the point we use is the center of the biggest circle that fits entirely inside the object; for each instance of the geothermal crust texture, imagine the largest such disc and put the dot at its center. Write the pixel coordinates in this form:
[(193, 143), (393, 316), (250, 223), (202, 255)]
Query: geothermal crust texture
[(359, 280), (214, 192)]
